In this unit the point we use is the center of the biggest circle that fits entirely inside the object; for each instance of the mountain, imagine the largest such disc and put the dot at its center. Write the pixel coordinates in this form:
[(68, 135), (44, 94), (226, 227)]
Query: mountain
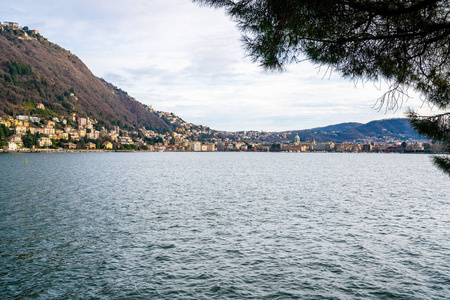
[(337, 127), (34, 70), (398, 129)]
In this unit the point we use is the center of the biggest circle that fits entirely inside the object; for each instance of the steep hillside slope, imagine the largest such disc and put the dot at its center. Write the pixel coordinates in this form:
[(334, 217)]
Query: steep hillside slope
[(34, 70)]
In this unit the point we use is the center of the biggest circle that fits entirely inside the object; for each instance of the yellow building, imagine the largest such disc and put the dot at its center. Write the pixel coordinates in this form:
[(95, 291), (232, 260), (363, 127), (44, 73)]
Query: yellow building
[(107, 145), (90, 146)]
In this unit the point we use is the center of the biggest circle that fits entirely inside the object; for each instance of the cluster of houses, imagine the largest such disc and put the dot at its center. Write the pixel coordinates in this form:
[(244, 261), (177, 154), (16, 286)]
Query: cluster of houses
[(15, 26), (48, 131), (74, 128)]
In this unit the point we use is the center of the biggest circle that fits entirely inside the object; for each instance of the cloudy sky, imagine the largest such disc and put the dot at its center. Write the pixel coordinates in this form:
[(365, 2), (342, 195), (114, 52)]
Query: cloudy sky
[(186, 59)]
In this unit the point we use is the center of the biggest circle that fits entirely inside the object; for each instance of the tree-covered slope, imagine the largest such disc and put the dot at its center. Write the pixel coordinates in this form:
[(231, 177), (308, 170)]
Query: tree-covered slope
[(34, 70), (399, 129)]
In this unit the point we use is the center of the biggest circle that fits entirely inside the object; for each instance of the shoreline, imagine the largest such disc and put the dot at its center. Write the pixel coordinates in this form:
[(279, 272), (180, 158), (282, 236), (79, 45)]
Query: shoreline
[(147, 151)]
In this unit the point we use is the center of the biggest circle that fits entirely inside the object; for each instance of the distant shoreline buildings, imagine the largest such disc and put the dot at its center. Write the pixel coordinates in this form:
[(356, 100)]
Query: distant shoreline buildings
[(76, 133)]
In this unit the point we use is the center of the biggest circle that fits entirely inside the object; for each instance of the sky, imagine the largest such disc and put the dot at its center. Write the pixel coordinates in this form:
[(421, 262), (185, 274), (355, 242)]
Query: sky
[(187, 59)]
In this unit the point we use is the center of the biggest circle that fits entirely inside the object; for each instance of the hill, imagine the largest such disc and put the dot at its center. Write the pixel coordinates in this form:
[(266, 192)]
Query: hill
[(398, 129), (34, 70)]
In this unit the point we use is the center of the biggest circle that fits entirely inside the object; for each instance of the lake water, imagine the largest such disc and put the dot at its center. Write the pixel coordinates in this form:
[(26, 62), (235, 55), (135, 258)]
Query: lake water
[(223, 226)]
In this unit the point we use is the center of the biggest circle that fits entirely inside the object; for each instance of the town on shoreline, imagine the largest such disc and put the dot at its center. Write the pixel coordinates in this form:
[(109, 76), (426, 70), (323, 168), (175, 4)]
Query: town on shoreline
[(80, 134)]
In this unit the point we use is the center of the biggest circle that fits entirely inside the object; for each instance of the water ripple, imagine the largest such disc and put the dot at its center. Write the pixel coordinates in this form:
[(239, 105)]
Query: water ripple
[(223, 226)]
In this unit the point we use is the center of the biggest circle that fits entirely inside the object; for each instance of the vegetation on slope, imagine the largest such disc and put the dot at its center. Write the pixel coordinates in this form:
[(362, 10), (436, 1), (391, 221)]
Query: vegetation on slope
[(34, 70)]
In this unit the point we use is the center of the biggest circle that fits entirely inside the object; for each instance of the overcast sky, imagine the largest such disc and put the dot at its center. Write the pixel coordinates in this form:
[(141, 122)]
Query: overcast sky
[(182, 58)]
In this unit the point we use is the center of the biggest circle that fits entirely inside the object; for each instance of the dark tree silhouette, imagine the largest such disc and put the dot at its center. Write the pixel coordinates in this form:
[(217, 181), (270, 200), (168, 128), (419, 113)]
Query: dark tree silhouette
[(404, 42)]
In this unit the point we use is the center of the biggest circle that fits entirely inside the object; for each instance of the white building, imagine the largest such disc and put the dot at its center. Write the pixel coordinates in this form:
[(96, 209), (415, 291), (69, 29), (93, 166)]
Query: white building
[(196, 146), (11, 25), (44, 142), (12, 146)]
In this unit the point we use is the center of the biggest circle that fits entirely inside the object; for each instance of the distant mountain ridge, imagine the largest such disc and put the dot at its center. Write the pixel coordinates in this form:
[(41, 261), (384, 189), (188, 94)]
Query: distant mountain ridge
[(397, 128)]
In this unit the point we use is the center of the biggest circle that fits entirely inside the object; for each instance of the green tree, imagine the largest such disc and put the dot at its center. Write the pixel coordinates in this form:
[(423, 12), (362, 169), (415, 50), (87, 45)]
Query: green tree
[(403, 42), (18, 68), (404, 145), (5, 133), (29, 140), (438, 129)]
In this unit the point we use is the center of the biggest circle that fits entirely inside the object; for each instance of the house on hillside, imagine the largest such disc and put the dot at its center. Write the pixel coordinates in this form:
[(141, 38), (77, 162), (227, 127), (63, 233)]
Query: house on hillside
[(5, 122), (50, 123), (16, 139), (11, 25), (82, 122), (90, 146), (48, 130), (20, 129)]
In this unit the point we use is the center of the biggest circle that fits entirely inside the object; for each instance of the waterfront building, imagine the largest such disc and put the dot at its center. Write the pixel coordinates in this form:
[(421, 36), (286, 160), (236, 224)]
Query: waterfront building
[(11, 147), (366, 148), (297, 148), (70, 146), (107, 145), (44, 142), (220, 146), (90, 146), (346, 147), (324, 146), (196, 146), (17, 139)]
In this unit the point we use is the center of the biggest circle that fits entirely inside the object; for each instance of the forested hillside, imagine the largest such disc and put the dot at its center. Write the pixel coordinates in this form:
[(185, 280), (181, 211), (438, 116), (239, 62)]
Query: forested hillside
[(33, 70)]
